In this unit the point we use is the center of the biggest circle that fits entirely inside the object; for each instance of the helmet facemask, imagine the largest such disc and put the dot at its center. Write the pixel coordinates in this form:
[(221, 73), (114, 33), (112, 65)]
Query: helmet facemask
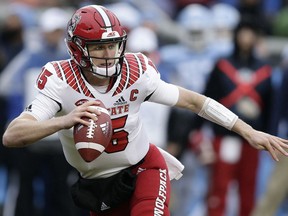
[(108, 66), (111, 66)]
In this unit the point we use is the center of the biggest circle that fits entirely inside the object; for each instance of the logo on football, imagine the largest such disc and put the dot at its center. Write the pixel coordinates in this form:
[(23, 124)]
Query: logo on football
[(92, 140)]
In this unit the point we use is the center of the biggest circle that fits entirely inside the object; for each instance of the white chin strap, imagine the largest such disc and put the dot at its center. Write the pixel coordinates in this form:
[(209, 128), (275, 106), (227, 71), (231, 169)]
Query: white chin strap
[(104, 72)]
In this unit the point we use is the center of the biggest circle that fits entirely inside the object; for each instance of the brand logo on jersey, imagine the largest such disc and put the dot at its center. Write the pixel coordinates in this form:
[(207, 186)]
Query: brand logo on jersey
[(120, 101), (104, 207), (29, 108), (140, 170)]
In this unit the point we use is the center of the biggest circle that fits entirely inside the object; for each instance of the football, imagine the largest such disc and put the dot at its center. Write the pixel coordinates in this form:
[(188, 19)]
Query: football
[(91, 141)]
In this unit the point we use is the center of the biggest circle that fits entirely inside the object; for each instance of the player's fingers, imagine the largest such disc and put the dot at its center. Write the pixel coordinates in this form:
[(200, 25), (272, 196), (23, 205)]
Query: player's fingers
[(278, 144), (91, 115), (90, 103), (271, 151), (84, 122), (94, 110), (284, 142)]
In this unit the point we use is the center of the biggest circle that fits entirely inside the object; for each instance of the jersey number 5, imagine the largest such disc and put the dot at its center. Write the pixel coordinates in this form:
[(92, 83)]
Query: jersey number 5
[(42, 79), (119, 139)]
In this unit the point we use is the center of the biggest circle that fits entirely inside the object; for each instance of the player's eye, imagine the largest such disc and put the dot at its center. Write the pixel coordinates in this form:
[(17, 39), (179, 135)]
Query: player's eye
[(112, 46), (96, 47), (99, 47)]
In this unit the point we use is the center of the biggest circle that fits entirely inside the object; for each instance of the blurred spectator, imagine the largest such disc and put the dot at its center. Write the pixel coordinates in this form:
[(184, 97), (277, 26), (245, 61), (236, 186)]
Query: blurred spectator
[(26, 10), (11, 43), (219, 22), (47, 45), (194, 51), (251, 9), (225, 19), (11, 39), (43, 171), (242, 82), (272, 201)]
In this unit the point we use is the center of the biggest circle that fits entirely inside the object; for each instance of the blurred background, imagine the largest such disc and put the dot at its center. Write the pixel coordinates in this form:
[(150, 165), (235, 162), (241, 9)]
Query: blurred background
[(215, 47)]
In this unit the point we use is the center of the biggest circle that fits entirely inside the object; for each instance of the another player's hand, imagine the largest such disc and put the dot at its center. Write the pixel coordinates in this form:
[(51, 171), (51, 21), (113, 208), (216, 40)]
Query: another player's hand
[(84, 110), (264, 141)]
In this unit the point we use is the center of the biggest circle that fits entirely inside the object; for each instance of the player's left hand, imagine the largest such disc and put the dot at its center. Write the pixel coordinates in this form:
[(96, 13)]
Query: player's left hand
[(265, 141)]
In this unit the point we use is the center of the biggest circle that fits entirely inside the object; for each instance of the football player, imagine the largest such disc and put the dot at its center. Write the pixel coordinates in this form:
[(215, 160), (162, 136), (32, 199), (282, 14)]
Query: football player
[(131, 177)]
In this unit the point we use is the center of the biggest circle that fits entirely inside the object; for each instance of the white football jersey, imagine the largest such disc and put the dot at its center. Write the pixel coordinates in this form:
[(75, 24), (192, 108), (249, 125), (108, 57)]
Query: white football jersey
[(63, 82)]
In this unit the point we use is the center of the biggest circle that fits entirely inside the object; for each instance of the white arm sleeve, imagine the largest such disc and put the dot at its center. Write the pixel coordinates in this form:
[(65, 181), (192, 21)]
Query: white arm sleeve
[(165, 93), (43, 107), (217, 113)]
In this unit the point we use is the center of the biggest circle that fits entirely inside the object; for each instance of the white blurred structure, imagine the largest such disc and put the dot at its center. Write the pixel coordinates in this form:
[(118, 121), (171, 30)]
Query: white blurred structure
[(142, 39)]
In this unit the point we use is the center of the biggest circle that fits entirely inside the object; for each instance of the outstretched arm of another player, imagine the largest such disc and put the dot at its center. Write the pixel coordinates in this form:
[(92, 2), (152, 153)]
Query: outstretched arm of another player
[(25, 129), (217, 113)]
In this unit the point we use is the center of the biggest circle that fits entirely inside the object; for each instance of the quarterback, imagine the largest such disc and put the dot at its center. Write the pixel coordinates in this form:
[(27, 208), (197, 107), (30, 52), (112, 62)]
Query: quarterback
[(131, 176)]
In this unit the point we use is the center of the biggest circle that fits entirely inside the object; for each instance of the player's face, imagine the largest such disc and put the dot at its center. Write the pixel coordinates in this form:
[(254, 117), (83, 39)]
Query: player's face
[(246, 39), (101, 52)]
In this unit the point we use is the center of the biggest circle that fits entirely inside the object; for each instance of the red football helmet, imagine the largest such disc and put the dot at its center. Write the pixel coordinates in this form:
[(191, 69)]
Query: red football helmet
[(91, 25)]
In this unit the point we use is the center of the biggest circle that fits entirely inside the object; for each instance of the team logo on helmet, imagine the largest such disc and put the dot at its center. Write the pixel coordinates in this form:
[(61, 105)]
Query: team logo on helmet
[(74, 22)]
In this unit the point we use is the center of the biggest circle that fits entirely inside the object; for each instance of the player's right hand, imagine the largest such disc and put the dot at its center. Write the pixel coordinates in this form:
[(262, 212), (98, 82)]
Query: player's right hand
[(83, 110)]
